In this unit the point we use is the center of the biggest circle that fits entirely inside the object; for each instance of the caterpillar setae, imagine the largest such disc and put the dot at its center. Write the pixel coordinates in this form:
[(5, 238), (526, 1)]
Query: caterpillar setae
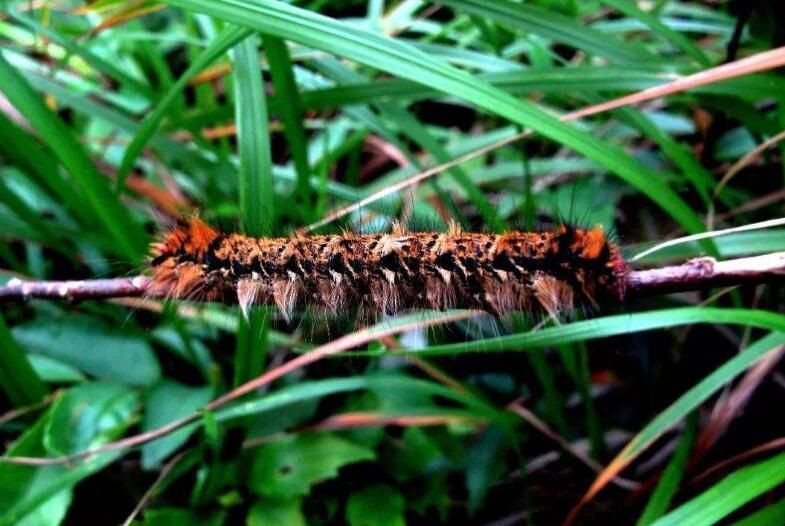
[(548, 272)]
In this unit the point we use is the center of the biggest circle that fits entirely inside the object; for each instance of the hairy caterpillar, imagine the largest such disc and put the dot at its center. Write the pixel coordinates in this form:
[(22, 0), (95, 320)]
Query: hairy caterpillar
[(548, 271)]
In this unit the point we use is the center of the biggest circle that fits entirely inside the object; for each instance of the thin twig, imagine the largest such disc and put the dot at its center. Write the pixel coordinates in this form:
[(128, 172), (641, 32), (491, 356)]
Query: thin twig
[(150, 493), (519, 409), (696, 274), (17, 289), (704, 273)]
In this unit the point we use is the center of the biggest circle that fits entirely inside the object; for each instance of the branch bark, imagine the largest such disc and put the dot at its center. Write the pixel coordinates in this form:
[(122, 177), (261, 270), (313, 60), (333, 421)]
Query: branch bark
[(696, 274), (705, 273)]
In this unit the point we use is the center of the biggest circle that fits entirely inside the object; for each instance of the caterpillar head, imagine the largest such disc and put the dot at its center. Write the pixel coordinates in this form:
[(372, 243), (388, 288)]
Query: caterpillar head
[(176, 260)]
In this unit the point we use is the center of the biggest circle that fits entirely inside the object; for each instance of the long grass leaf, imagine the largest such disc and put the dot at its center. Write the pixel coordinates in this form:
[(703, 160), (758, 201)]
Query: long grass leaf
[(95, 190), (615, 325), (228, 38), (728, 495), (402, 60), (257, 207), (554, 26), (671, 477), (655, 24), (690, 400), (291, 109)]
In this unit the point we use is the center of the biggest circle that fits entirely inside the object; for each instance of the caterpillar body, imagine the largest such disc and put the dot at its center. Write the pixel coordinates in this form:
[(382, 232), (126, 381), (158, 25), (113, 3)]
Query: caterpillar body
[(549, 271)]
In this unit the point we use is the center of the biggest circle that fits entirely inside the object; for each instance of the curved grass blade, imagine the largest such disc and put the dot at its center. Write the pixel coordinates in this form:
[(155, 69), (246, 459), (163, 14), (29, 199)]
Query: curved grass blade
[(552, 25), (728, 495), (571, 80), (126, 233), (318, 389), (690, 400), (615, 325), (228, 38), (671, 477), (397, 58), (657, 27)]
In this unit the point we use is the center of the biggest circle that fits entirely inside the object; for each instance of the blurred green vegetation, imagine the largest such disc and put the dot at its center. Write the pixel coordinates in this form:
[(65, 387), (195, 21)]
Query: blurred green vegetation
[(263, 116)]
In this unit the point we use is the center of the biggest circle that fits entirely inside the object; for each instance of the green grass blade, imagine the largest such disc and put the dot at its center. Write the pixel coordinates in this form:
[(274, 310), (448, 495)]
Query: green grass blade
[(224, 41), (252, 346), (402, 60), (409, 125), (95, 190), (773, 514), (317, 389), (669, 480), (291, 108), (32, 218), (256, 176), (693, 398), (577, 80), (668, 35), (728, 495), (23, 151), (615, 325), (554, 26), (73, 47)]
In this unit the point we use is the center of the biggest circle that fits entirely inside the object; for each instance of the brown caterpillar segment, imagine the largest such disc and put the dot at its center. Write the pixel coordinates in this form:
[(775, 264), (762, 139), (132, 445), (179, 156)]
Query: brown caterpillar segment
[(516, 271)]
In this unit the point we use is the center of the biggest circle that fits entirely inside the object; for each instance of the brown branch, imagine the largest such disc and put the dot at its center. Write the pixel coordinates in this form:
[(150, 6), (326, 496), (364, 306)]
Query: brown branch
[(705, 273), (19, 290), (696, 274)]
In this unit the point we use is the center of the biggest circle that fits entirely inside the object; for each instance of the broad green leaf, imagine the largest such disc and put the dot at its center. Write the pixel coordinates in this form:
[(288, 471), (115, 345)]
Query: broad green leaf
[(376, 505), (92, 347), (87, 416), (51, 512), (32, 490), (270, 512), (164, 403), (54, 371), (288, 467)]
